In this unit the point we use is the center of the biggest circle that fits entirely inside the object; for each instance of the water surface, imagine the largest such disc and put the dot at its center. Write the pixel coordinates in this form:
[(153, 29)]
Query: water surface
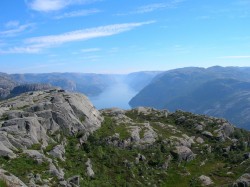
[(117, 95)]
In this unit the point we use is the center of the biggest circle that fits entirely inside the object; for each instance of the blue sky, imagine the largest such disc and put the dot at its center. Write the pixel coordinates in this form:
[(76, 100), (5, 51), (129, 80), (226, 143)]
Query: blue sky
[(110, 36)]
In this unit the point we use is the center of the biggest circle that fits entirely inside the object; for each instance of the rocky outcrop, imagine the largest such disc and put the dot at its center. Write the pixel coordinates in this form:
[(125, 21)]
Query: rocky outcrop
[(205, 180), (10, 179), (90, 171), (58, 152), (243, 181), (183, 153), (32, 116), (42, 120)]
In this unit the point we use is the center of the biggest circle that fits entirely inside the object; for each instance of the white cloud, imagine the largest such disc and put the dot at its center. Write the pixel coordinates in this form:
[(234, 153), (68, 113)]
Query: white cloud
[(90, 50), (153, 7), (15, 31), (12, 24), (53, 5), (235, 57), (21, 50), (150, 8), (48, 5), (85, 34), (37, 44), (77, 13)]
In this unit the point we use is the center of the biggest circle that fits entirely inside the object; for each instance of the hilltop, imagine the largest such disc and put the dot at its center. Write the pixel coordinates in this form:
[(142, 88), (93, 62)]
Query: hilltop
[(57, 138)]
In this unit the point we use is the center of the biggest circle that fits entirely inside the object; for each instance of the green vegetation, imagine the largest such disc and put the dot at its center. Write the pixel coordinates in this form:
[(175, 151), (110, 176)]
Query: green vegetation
[(36, 146), (145, 164), (109, 128), (4, 117), (82, 118), (3, 183), (24, 165)]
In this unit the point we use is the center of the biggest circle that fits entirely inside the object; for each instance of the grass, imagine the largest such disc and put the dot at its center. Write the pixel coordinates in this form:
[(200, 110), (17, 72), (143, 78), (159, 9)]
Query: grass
[(109, 128), (36, 146), (23, 165), (3, 183), (115, 166)]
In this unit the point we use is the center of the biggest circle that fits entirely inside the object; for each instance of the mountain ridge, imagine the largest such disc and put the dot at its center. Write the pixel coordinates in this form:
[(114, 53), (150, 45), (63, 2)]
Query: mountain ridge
[(190, 89), (58, 138)]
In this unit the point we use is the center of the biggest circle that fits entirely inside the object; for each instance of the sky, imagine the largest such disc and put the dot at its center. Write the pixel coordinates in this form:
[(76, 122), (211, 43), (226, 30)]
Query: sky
[(122, 36)]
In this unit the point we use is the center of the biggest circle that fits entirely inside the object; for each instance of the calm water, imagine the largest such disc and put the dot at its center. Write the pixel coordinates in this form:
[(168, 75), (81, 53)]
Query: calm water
[(116, 96)]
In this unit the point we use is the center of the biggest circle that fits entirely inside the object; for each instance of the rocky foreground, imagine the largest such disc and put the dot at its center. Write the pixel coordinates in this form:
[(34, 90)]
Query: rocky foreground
[(56, 138)]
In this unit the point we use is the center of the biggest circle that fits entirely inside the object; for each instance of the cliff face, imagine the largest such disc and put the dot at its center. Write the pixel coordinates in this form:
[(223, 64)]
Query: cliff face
[(56, 138)]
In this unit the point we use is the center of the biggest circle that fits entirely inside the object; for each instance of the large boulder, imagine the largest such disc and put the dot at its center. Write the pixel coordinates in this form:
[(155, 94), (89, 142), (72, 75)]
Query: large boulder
[(183, 153), (205, 180), (34, 117)]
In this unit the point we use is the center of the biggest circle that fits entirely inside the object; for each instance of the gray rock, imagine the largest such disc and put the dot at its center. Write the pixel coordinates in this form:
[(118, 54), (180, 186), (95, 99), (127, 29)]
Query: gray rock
[(39, 157), (205, 180), (199, 127), (183, 153), (199, 140), (6, 152), (227, 129), (10, 179), (139, 158), (56, 172), (247, 155), (207, 134), (166, 163), (243, 181), (58, 152), (75, 180), (90, 171), (32, 116)]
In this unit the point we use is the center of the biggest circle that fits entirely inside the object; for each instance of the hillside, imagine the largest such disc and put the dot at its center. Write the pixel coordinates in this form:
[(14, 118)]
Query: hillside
[(216, 91), (56, 138), (6, 85)]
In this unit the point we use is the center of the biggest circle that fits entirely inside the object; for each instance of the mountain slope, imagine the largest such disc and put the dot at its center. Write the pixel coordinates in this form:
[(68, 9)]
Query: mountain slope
[(216, 91), (139, 80), (90, 84), (6, 85), (56, 138)]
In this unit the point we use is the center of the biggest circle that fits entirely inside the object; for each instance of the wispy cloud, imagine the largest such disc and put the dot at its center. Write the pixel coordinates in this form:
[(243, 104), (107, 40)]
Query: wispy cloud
[(21, 50), (53, 5), (47, 5), (153, 7), (85, 34), (150, 8), (16, 30), (90, 50), (235, 57), (12, 24), (37, 44), (78, 13)]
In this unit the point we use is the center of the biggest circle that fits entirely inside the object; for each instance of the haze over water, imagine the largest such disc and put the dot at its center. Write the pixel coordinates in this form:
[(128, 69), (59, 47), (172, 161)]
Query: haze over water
[(117, 95)]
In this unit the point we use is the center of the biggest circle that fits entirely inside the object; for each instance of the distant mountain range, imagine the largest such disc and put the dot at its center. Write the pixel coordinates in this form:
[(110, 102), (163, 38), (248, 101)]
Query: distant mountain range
[(88, 83), (217, 91)]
